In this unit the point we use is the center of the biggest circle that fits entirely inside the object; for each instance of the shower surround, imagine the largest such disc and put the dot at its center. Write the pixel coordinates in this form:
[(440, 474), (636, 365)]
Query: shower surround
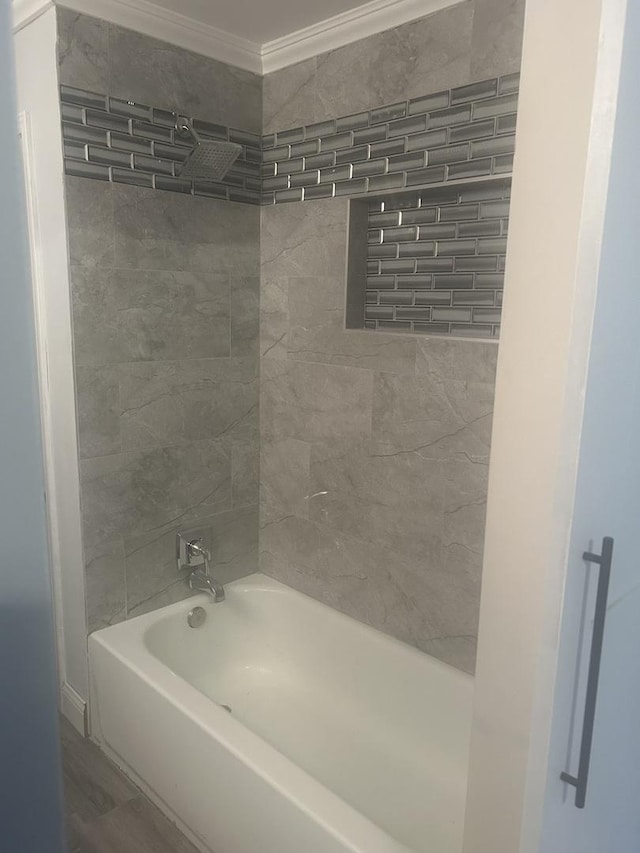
[(373, 447)]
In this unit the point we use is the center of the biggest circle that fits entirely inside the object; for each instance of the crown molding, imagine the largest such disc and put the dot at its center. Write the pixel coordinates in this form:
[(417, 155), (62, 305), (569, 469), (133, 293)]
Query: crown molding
[(26, 11), (152, 20), (365, 20), (164, 24), (157, 22)]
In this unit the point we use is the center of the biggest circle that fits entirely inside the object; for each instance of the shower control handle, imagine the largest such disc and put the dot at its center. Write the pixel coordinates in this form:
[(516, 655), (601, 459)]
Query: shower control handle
[(190, 553), (602, 560), (197, 553)]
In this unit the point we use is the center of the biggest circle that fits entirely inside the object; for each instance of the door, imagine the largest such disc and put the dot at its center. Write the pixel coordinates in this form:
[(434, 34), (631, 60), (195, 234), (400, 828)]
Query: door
[(607, 504), (565, 461)]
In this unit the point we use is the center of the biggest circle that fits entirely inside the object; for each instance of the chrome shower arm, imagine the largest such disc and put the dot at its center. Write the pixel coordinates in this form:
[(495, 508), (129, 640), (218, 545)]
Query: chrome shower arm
[(184, 126)]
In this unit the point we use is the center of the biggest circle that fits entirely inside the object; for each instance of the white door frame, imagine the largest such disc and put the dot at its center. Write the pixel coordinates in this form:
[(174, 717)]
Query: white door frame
[(568, 97), (57, 411), (39, 314)]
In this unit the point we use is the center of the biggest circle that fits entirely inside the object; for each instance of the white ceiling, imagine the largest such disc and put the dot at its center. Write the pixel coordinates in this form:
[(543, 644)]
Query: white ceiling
[(260, 21)]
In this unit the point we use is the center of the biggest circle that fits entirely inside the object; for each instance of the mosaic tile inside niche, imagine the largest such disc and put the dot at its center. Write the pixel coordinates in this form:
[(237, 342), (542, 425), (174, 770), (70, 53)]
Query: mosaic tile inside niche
[(436, 259), (456, 135), (109, 139)]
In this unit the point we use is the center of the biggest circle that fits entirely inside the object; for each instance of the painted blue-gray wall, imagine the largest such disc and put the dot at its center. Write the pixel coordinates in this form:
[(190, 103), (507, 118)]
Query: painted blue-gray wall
[(30, 789)]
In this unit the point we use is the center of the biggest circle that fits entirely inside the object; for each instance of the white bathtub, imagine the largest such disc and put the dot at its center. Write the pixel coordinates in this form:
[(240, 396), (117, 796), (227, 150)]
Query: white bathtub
[(339, 737)]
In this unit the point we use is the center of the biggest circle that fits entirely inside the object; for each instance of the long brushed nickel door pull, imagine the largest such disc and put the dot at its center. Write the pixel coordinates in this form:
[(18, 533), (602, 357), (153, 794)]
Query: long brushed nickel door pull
[(603, 560)]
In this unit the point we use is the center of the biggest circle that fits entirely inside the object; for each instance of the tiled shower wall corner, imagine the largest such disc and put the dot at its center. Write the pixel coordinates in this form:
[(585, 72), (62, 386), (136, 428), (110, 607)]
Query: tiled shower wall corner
[(165, 293), (111, 139), (374, 446), (435, 261)]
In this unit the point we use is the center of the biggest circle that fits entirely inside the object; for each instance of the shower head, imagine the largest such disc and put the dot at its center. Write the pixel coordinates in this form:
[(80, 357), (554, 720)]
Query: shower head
[(210, 159)]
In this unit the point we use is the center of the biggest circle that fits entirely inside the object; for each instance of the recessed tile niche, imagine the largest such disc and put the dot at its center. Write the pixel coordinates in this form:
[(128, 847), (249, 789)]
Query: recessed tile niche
[(429, 261)]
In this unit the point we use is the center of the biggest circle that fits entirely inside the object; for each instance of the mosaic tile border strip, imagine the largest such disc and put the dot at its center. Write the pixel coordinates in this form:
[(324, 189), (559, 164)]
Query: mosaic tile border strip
[(455, 135), (109, 139), (436, 259)]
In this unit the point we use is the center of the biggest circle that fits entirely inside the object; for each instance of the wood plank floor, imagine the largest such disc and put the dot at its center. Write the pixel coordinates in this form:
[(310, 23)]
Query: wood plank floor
[(105, 812)]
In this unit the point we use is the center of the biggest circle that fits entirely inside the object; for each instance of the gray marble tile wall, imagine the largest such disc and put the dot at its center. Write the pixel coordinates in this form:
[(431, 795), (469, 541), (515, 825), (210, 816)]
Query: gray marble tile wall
[(165, 293), (374, 447)]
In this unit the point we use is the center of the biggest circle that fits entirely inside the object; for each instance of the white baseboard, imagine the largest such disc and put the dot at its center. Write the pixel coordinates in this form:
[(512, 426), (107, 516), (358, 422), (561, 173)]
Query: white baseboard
[(74, 708)]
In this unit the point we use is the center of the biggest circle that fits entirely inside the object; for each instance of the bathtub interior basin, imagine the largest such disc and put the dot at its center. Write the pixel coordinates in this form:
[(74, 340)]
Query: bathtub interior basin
[(342, 719)]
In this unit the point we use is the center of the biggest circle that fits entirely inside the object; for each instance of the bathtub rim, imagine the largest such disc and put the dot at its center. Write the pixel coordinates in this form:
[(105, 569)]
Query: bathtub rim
[(259, 582)]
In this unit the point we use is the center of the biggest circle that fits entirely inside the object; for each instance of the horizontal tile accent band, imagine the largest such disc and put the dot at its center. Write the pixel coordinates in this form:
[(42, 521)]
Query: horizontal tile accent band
[(464, 133), (110, 139)]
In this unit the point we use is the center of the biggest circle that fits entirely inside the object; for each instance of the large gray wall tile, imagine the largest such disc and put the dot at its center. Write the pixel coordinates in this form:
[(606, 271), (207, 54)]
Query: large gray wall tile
[(497, 38), (98, 410), (465, 501), (244, 306), (432, 416), (331, 343), (285, 471), (177, 402), (305, 240), (466, 361), (314, 401), (378, 495), (234, 543), (90, 222), (245, 472), (105, 589), (317, 330), (149, 315), (274, 314), (169, 231), (133, 493), (83, 51), (343, 81), (289, 96)]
